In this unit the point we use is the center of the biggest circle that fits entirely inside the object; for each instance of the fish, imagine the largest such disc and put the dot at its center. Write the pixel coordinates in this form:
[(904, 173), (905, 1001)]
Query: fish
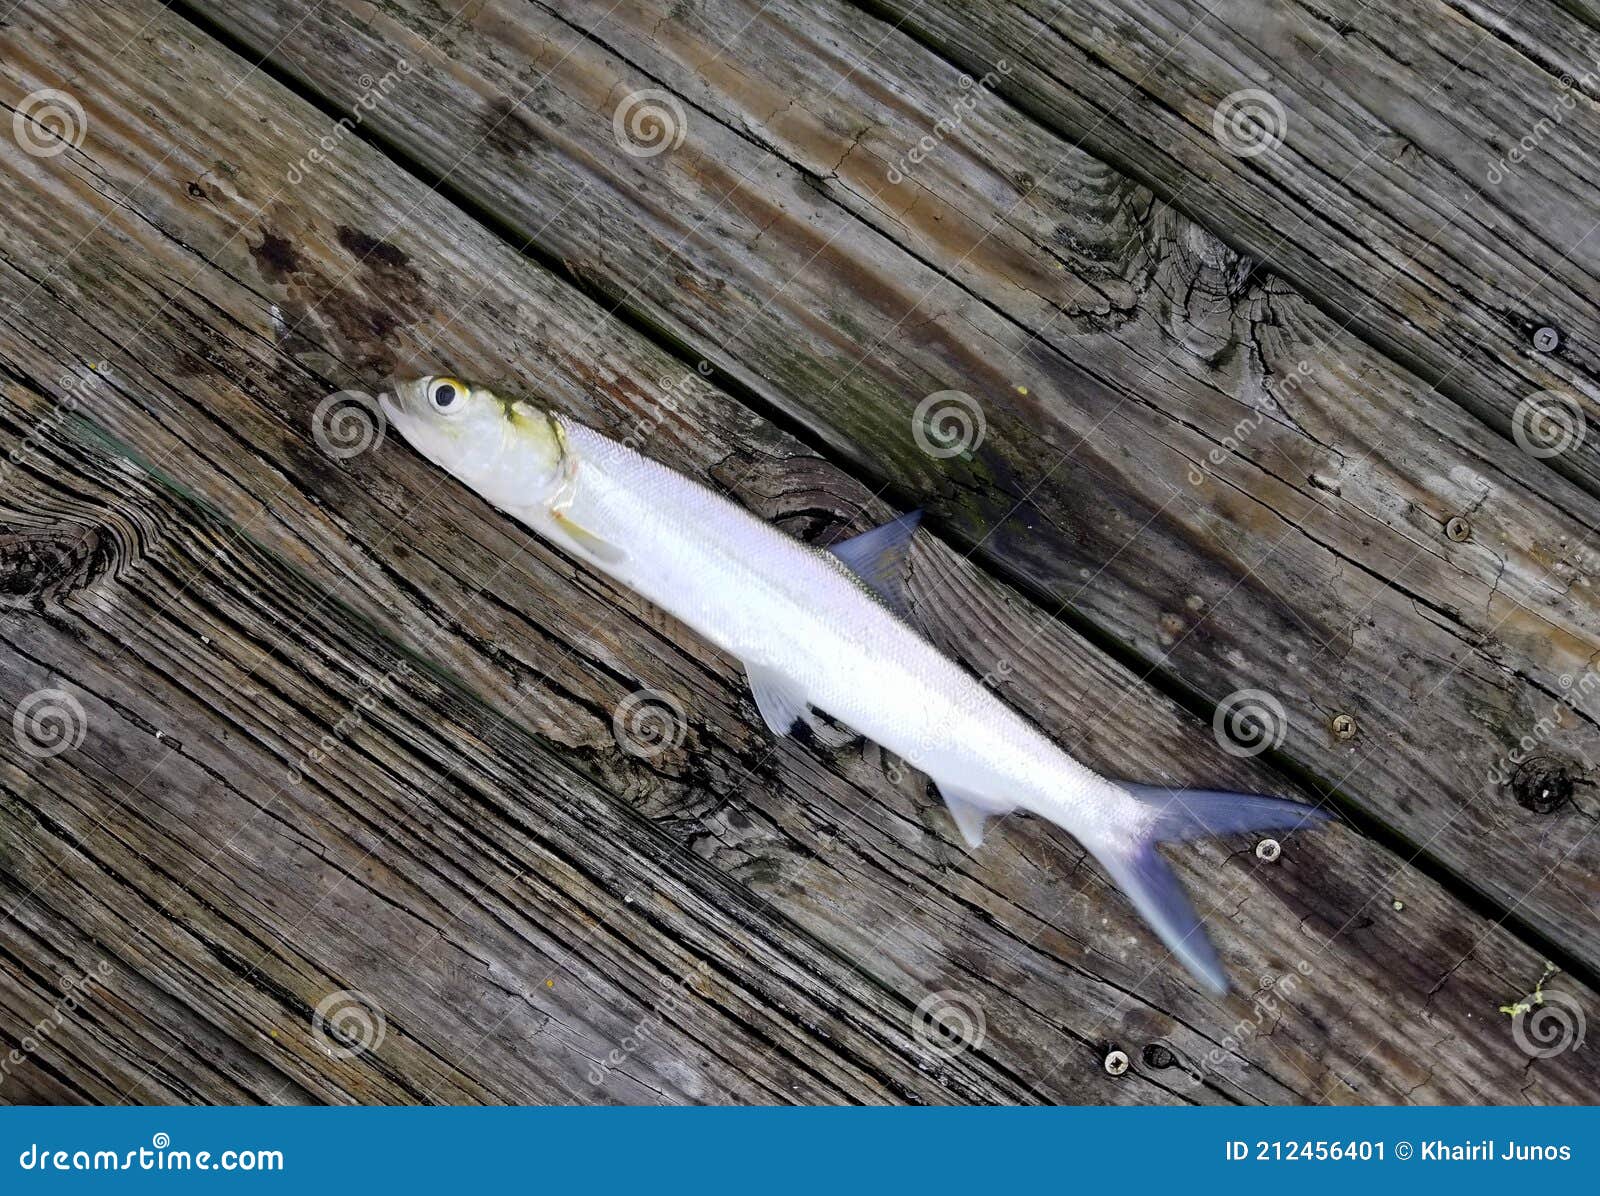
[(822, 632)]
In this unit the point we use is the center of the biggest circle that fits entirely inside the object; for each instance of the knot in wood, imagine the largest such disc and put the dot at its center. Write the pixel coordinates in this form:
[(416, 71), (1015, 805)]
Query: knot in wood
[(34, 564), (1542, 784)]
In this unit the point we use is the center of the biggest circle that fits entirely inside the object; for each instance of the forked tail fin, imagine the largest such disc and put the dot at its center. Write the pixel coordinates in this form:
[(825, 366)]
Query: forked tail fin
[(1182, 814)]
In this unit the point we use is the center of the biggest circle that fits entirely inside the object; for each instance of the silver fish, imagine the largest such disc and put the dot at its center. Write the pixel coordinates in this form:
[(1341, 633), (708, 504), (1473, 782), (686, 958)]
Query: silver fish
[(821, 630)]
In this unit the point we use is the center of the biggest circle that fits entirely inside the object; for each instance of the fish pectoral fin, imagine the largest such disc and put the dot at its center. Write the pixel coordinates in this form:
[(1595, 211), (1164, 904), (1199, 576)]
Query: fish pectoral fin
[(879, 559), (971, 813), (784, 708), (601, 550)]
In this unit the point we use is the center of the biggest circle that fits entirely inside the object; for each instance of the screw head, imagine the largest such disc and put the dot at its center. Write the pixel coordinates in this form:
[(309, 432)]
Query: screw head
[(1268, 850), (1344, 726), (1116, 1063), (1458, 529), (1546, 339)]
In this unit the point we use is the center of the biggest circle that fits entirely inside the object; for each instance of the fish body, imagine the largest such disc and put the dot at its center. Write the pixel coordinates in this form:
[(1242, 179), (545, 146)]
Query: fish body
[(787, 608), (818, 630)]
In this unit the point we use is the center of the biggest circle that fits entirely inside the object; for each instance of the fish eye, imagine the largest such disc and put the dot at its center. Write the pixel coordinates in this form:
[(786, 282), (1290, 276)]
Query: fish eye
[(445, 394)]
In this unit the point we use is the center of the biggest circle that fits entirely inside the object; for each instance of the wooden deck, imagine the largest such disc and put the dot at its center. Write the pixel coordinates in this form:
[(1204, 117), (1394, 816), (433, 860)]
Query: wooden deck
[(325, 782)]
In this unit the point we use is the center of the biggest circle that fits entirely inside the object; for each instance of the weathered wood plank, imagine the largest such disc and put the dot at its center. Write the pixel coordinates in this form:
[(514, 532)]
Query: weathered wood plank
[(220, 594), (1434, 187), (1179, 448)]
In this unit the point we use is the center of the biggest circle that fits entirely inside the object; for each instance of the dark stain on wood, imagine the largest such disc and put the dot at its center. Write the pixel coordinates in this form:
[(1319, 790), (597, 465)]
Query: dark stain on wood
[(276, 256), (505, 127)]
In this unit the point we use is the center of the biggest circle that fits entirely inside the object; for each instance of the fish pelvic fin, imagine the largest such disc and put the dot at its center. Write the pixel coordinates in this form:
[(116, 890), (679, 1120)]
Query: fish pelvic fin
[(1179, 815), (784, 709)]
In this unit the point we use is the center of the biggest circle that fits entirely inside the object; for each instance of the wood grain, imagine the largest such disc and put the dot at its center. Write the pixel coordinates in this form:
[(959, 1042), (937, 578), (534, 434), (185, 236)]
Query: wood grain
[(1181, 453), (476, 854), (1434, 185)]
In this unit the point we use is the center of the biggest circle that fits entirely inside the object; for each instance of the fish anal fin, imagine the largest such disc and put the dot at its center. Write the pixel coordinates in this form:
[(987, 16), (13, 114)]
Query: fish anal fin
[(970, 812), (879, 557)]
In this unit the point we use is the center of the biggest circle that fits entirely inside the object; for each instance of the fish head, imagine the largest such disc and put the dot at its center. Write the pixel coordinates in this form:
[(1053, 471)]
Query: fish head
[(509, 450)]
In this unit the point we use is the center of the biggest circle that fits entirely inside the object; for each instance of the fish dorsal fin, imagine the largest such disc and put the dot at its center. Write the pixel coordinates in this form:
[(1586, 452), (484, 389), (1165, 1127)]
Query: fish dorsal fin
[(878, 558), (783, 707), (971, 814)]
